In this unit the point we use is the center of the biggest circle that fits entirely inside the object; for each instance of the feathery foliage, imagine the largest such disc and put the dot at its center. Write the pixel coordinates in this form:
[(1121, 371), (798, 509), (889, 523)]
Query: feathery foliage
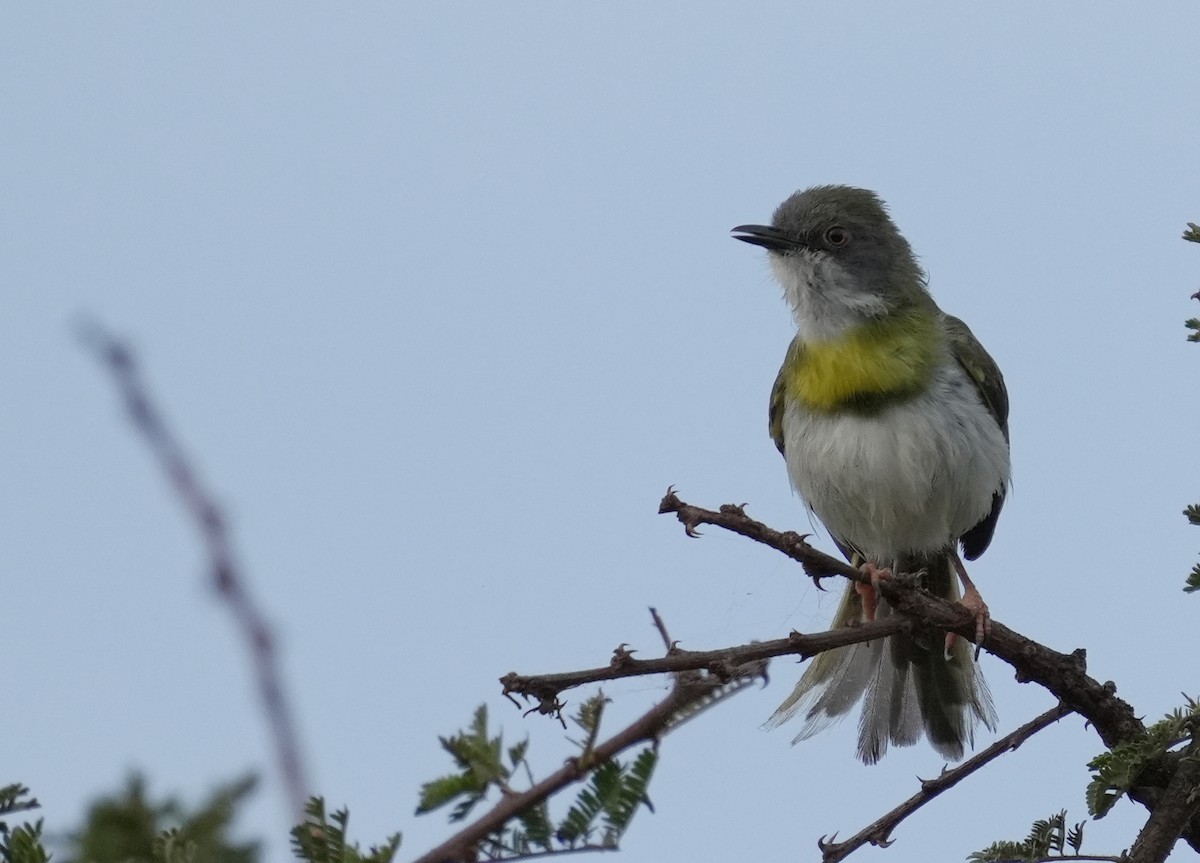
[(1046, 840), (1115, 771), (612, 796), (1192, 513), (131, 827), (23, 843), (322, 838), (480, 765), (596, 820), (15, 798)]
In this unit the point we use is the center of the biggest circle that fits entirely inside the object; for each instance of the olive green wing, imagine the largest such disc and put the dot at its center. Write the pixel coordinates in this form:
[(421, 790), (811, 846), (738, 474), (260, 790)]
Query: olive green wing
[(775, 412), (989, 383)]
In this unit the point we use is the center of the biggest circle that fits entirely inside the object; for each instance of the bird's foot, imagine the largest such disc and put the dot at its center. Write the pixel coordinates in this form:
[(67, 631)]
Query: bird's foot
[(870, 592), (973, 603)]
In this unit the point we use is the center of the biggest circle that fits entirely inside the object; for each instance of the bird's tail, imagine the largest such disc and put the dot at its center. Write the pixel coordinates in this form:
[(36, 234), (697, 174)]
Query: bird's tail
[(909, 684)]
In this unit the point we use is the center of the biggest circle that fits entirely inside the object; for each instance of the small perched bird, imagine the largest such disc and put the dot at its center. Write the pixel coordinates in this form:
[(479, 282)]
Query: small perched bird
[(893, 421)]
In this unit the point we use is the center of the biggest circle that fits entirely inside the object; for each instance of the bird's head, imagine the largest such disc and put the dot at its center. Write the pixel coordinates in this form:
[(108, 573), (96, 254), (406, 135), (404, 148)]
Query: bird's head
[(839, 256)]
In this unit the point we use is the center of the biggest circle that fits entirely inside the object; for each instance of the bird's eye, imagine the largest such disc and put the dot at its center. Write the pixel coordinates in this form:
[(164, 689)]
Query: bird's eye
[(837, 236)]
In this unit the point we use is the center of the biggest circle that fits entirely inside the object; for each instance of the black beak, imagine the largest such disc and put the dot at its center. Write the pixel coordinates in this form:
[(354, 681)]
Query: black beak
[(765, 236)]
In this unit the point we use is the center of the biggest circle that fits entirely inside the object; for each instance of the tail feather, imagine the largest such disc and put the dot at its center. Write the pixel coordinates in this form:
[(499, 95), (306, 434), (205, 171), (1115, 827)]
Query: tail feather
[(834, 680), (891, 712), (907, 685), (952, 693)]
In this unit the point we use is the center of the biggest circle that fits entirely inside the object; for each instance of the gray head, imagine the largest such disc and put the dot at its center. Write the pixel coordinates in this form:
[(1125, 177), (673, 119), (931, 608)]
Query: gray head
[(835, 248)]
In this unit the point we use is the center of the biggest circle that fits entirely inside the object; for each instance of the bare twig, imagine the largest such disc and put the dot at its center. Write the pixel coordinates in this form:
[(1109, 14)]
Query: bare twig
[(1094, 858), (723, 662), (880, 831), (227, 578), (732, 517), (668, 644)]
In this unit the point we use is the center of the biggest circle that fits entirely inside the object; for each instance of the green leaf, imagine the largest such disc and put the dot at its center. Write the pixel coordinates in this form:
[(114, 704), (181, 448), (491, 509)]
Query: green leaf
[(1001, 852), (589, 713), (1193, 580), (23, 844), (441, 791), (579, 822), (131, 826), (322, 838), (15, 798), (475, 752), (516, 754), (538, 829), (629, 794), (1116, 771), (612, 796), (1075, 837), (480, 760), (1045, 836)]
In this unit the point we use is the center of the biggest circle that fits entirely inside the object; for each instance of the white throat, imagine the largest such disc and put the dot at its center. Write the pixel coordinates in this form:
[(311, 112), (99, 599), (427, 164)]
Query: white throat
[(824, 300)]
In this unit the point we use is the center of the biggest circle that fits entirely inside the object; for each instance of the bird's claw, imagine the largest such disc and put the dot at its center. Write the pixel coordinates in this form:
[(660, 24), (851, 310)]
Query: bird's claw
[(870, 592), (973, 603)]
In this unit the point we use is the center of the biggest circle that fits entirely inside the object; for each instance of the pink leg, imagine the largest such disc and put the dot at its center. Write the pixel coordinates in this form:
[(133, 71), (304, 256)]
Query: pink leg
[(868, 592), (973, 602)]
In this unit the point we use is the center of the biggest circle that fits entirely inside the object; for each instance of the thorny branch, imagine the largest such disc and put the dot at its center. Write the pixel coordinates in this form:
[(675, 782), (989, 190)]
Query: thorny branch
[(1061, 673), (1064, 675), (732, 517), (723, 663), (879, 832), (227, 578)]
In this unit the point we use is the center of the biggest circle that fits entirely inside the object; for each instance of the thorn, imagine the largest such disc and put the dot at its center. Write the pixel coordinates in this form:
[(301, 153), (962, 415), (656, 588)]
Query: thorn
[(822, 844), (621, 655), (669, 502), (816, 580)]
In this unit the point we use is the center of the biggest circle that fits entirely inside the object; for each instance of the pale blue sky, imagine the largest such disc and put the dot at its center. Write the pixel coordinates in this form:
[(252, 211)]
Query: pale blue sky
[(442, 298)]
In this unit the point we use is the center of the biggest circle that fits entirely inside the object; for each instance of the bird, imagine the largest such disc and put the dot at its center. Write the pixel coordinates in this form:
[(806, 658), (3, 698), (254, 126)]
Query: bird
[(892, 419)]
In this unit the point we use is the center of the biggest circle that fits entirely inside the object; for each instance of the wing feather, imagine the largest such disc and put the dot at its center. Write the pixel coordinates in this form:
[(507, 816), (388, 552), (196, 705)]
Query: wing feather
[(989, 383)]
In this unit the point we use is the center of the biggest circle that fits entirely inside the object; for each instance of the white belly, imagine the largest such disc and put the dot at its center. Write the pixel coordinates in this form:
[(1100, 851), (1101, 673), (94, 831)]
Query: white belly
[(911, 478)]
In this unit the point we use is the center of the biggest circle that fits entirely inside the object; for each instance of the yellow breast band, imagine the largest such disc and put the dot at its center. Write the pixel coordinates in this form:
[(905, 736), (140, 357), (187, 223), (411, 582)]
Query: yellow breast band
[(892, 357)]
